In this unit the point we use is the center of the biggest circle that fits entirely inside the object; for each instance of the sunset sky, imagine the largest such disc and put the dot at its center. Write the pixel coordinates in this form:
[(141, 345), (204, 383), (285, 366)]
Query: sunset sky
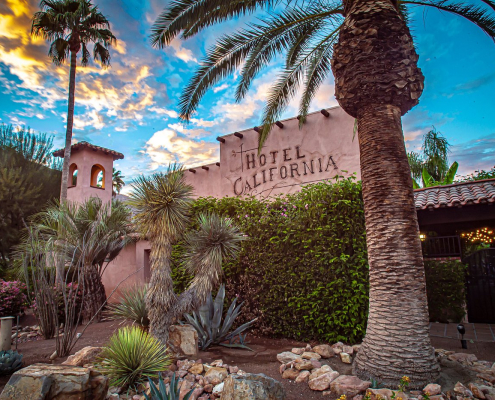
[(132, 106)]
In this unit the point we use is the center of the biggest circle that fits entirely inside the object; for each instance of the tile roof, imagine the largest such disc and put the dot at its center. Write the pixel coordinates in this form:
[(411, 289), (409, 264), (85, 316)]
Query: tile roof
[(455, 195), (80, 145)]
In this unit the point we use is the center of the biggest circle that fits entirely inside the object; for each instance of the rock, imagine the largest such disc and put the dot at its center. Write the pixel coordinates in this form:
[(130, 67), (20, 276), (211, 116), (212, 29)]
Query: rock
[(476, 391), (487, 377), (56, 382), (183, 341), (303, 364), (196, 369), (282, 368), (252, 387), (324, 350), (208, 388), (87, 355), (298, 350), (302, 377), (216, 373), (356, 348), (184, 365), (345, 358), (377, 394), (308, 348), (287, 357), (459, 388), (185, 388), (233, 370), (218, 388), (217, 363), (462, 357), (320, 371), (309, 355), (323, 381), (290, 373), (347, 349), (432, 389), (349, 385), (357, 397), (315, 363)]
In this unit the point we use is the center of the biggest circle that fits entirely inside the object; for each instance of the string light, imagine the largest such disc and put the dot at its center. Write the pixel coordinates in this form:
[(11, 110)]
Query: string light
[(483, 235)]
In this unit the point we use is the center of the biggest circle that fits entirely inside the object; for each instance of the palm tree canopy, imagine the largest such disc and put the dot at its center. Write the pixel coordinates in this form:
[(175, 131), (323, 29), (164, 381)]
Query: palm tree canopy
[(70, 25), (304, 32), (117, 180)]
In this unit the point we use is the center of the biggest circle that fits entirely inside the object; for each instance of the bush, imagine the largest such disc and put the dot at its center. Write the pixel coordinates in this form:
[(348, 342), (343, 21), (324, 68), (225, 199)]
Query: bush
[(59, 298), (13, 299), (132, 356), (131, 306), (446, 290), (304, 271)]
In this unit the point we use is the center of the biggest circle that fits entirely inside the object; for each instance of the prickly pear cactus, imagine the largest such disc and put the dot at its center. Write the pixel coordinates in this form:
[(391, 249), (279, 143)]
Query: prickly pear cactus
[(10, 361)]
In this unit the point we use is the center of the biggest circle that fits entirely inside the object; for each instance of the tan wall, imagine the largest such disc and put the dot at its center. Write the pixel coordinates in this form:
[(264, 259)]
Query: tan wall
[(291, 157)]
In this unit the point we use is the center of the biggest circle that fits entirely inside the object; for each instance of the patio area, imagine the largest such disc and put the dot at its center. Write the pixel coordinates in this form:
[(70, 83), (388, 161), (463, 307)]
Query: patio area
[(474, 332)]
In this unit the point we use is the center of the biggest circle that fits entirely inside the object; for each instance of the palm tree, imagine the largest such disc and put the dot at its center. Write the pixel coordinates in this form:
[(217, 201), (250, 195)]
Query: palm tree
[(163, 204), (93, 232), (369, 48), (70, 25), (117, 181)]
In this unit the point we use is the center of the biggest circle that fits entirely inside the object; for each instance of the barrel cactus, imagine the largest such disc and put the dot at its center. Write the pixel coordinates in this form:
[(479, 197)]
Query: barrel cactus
[(10, 361)]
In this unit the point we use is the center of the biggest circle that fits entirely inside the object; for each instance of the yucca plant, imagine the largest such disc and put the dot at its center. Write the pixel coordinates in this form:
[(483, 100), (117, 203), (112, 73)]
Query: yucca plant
[(132, 356), (10, 361), (208, 322), (131, 306), (159, 392)]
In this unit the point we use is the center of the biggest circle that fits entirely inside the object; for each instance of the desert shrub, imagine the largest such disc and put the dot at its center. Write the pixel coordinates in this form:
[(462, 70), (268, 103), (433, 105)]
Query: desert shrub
[(131, 306), (161, 392), (132, 356), (446, 290), (13, 299), (58, 296), (304, 271)]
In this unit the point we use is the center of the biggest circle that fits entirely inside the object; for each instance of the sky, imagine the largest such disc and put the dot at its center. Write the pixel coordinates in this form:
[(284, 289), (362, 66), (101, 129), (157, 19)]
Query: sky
[(132, 106)]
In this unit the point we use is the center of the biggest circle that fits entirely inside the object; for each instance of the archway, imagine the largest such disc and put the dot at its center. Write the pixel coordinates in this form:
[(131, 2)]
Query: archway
[(72, 175), (98, 176)]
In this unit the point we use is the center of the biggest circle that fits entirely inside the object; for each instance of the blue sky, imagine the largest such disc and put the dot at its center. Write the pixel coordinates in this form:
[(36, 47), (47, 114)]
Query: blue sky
[(132, 106)]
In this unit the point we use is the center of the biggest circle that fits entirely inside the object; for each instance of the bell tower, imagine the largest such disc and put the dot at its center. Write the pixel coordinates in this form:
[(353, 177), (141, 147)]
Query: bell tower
[(90, 171)]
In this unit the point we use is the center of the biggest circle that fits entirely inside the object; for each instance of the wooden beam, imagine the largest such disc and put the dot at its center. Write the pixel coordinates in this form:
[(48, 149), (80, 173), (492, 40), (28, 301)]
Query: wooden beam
[(217, 164), (239, 135), (279, 124), (192, 170), (205, 167), (221, 139), (325, 113), (257, 129)]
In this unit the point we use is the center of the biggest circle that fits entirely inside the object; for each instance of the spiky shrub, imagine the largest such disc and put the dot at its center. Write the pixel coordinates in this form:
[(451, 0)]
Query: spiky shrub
[(10, 361), (159, 392), (208, 322), (131, 306), (132, 356)]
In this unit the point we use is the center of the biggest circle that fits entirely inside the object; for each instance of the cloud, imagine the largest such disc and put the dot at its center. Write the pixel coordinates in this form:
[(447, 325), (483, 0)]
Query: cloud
[(181, 52), (167, 146), (474, 155), (170, 113), (476, 83), (220, 88)]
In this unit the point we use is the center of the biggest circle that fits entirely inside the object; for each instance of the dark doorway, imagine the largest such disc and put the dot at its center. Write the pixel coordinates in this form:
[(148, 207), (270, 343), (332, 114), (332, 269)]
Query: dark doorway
[(147, 270), (481, 286)]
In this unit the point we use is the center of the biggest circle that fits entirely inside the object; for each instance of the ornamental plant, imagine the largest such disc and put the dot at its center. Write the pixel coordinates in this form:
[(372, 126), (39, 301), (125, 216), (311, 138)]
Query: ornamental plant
[(13, 299)]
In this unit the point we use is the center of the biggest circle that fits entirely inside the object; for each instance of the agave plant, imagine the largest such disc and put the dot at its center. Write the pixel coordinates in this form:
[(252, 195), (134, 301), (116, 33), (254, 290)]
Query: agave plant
[(208, 322), (132, 306), (10, 361), (133, 356), (160, 392)]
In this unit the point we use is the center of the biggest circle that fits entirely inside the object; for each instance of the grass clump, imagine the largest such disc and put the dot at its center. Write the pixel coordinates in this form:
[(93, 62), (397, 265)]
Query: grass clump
[(132, 306)]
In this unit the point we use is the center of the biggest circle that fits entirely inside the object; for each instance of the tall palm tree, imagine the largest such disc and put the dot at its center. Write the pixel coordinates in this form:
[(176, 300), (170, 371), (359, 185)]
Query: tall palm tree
[(117, 181), (163, 204), (369, 48), (94, 232), (70, 26)]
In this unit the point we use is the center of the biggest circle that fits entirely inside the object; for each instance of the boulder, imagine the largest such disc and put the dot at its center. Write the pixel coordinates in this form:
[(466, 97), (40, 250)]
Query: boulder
[(320, 371), (87, 355), (303, 364), (218, 388), (459, 388), (298, 350), (196, 369), (462, 357), (347, 349), (356, 348), (376, 394), (290, 373), (476, 391), (56, 382), (309, 355), (183, 341), (302, 377), (252, 387), (324, 350), (323, 381), (345, 358), (216, 374), (349, 385), (432, 389), (286, 357)]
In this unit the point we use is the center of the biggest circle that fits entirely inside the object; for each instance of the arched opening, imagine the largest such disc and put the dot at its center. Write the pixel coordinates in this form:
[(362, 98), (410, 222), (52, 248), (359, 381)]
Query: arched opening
[(72, 175), (98, 176)]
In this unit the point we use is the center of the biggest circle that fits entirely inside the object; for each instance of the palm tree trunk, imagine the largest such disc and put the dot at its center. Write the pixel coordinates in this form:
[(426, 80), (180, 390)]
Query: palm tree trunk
[(94, 294), (70, 122), (161, 299), (397, 338)]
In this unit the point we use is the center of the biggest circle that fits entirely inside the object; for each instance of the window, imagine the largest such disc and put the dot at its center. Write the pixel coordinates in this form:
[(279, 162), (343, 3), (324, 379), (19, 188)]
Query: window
[(97, 176), (72, 175)]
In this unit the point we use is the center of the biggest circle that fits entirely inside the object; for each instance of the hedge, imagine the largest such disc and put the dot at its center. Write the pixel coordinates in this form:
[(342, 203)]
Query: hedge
[(304, 269)]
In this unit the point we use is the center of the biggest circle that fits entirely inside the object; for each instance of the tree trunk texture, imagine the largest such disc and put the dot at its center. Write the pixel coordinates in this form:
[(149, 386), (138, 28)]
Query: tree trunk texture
[(376, 81), (94, 294)]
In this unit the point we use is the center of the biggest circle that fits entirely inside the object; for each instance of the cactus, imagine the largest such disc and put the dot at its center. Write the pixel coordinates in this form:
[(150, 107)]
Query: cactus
[(10, 361)]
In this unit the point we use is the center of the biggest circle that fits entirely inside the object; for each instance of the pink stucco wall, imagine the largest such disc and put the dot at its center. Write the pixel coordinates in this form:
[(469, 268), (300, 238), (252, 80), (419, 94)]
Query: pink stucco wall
[(291, 157)]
